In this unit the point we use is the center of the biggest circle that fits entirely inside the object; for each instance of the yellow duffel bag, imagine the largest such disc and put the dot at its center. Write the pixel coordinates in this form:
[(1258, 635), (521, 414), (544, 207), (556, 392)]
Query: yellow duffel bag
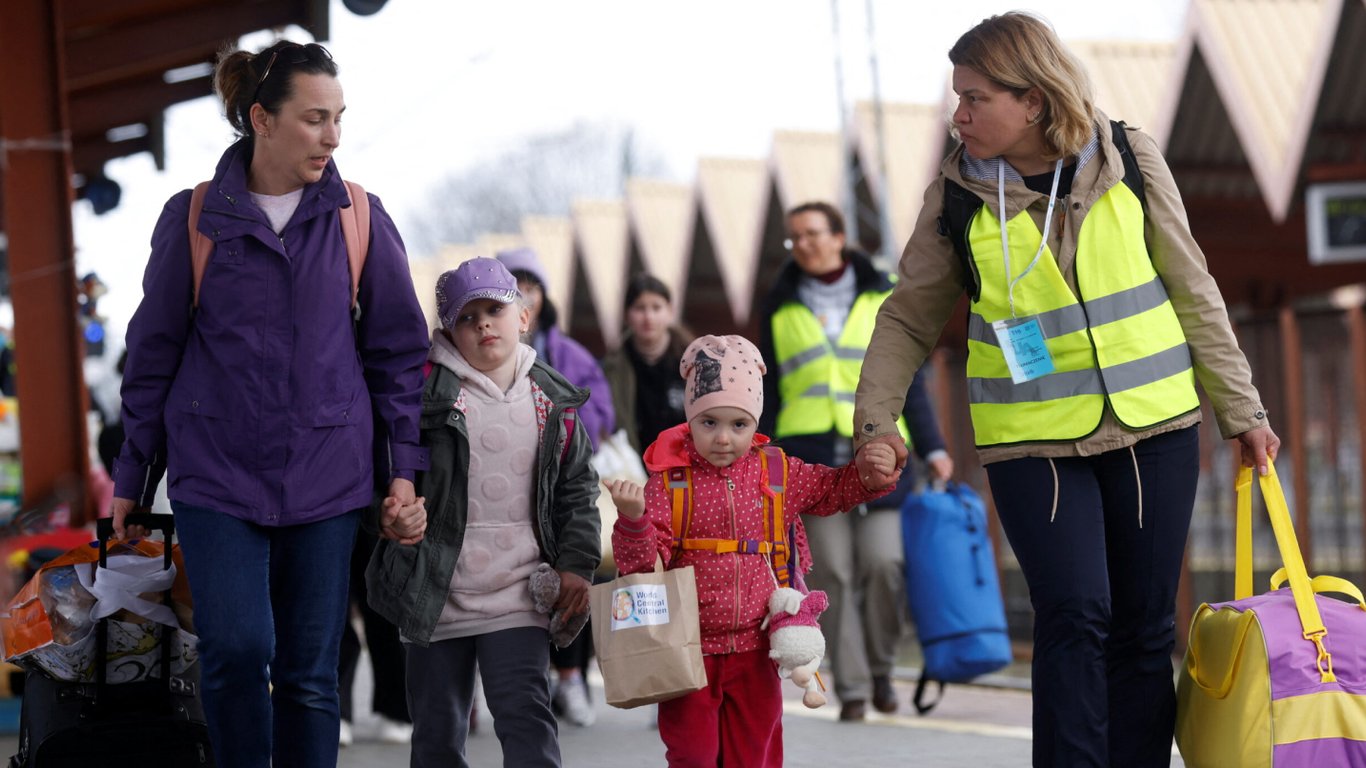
[(1276, 680)]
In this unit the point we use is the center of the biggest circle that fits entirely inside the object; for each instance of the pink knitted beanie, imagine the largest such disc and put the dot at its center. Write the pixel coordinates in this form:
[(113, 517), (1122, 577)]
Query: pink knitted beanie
[(723, 371)]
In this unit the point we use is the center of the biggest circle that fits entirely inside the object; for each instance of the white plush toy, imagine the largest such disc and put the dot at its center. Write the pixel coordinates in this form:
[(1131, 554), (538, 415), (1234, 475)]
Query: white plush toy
[(795, 640)]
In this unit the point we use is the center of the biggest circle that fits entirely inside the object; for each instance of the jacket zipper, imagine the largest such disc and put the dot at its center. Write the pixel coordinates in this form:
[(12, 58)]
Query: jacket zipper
[(735, 559)]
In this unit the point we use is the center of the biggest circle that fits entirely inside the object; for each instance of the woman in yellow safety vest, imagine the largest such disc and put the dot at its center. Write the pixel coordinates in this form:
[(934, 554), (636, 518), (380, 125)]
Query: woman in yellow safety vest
[(1092, 314)]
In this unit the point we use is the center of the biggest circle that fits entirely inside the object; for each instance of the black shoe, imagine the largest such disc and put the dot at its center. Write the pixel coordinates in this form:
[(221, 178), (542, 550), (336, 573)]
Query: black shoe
[(853, 711), (884, 696)]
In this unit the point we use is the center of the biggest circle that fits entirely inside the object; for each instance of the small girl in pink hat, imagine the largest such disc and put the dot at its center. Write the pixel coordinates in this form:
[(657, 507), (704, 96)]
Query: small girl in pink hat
[(737, 719)]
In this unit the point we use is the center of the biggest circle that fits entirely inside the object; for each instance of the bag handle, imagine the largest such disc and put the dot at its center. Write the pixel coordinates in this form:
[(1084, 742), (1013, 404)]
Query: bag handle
[(1300, 585), (1323, 584)]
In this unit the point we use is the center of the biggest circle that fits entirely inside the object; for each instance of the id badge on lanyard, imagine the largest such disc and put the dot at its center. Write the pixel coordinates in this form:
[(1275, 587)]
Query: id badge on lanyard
[(1022, 345), (1021, 338)]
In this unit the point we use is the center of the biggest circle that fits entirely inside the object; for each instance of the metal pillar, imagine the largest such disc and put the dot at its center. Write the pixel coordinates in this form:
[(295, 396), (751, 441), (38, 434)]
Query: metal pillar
[(35, 163)]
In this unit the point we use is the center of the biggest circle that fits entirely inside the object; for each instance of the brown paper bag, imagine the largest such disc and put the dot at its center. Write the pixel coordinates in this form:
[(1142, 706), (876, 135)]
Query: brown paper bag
[(647, 638)]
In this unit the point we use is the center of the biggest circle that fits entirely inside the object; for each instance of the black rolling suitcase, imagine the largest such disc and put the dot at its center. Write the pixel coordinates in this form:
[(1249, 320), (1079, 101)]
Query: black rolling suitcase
[(157, 722)]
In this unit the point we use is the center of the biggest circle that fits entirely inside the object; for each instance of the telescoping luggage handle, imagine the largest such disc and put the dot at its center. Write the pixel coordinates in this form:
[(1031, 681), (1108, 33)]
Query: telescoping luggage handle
[(1300, 584), (104, 529)]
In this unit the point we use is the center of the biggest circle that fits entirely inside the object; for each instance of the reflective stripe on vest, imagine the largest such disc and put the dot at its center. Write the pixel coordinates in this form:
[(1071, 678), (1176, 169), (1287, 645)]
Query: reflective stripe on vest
[(1122, 343), (816, 381)]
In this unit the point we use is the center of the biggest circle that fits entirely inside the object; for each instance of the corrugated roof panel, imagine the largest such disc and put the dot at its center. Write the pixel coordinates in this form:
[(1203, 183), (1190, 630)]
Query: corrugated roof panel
[(1129, 78), (807, 166), (917, 136), (1340, 121), (1203, 150), (604, 237), (734, 198), (552, 238), (662, 215), (1267, 59)]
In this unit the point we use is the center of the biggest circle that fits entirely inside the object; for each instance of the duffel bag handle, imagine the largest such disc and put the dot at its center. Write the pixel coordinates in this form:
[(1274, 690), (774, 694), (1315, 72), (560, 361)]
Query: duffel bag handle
[(1323, 584), (1300, 585)]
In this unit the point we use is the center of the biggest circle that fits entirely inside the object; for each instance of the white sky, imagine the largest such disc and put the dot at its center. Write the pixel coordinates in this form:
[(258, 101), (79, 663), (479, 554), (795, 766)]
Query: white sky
[(433, 85)]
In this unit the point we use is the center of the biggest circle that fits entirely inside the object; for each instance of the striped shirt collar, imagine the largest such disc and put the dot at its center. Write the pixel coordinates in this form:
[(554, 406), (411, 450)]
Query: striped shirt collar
[(985, 170)]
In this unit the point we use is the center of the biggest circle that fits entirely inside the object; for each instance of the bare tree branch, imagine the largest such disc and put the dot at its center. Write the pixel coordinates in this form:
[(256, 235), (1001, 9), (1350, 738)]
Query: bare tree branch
[(542, 175)]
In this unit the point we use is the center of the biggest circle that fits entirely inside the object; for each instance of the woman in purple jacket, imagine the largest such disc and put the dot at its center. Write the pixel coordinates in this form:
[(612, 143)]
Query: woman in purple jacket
[(258, 405)]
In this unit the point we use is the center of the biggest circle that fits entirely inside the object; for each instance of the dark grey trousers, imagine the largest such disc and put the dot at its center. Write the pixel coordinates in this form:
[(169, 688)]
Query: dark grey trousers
[(513, 664)]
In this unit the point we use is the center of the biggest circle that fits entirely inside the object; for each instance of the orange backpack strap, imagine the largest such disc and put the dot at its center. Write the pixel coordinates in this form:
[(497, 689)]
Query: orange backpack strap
[(201, 247), (355, 225), (679, 483), (773, 464)]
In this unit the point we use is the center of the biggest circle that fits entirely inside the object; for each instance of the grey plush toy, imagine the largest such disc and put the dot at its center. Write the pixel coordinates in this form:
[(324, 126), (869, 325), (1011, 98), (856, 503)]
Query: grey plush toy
[(545, 590)]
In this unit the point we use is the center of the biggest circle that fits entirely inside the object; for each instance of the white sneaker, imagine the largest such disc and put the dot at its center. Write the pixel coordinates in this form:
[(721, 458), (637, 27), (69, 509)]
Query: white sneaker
[(345, 738), (575, 707), (394, 731)]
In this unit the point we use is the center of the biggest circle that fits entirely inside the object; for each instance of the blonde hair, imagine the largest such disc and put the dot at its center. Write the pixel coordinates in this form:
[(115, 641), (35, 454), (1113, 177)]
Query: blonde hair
[(1019, 51)]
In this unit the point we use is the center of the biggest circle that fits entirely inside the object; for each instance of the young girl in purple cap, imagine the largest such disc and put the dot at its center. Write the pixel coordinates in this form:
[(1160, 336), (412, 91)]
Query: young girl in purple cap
[(510, 487), (737, 719)]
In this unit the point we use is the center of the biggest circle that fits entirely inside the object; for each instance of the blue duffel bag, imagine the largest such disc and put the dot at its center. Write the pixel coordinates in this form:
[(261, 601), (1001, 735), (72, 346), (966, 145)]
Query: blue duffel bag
[(952, 588)]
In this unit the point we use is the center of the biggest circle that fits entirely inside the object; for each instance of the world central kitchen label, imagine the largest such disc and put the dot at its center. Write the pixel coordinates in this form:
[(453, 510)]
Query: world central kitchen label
[(639, 605)]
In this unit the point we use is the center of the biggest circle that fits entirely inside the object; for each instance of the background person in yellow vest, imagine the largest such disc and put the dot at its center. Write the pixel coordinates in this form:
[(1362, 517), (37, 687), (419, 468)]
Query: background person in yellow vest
[(817, 320), (1091, 450)]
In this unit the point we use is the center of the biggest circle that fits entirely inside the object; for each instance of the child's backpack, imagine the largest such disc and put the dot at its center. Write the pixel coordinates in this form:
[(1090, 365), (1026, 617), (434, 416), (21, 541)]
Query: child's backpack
[(355, 224), (952, 588), (780, 536)]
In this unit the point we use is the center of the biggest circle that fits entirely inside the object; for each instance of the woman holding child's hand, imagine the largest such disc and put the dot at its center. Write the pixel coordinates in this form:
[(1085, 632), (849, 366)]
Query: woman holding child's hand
[(1091, 316), (403, 523)]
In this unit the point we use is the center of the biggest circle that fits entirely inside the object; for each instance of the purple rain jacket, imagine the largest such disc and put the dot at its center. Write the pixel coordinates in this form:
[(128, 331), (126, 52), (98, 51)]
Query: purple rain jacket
[(262, 404), (578, 365)]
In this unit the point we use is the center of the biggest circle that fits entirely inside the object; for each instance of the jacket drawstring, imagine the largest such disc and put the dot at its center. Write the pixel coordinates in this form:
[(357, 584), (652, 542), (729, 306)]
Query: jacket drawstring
[(1053, 513), (1138, 480)]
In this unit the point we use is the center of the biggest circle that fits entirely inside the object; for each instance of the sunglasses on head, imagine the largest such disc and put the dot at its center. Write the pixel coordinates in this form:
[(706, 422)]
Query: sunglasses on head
[(296, 53)]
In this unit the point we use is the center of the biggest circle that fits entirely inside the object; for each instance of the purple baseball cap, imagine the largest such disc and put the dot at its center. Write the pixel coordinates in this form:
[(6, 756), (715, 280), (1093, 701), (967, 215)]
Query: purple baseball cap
[(480, 278), (524, 260)]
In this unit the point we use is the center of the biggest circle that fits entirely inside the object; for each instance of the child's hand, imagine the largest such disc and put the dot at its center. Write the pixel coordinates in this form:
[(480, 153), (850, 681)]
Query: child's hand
[(877, 465), (629, 498), (573, 598), (404, 523)]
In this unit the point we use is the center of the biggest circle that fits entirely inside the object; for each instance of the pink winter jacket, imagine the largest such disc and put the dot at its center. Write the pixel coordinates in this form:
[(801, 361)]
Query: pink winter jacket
[(732, 588)]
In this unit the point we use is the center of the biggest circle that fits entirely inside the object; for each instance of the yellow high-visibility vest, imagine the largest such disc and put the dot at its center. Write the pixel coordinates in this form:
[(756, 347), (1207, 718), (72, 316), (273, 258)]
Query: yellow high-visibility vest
[(1121, 343), (816, 379)]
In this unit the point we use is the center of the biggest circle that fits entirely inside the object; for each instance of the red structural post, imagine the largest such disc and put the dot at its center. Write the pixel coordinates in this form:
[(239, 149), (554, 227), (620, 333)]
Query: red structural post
[(36, 172), (1356, 324), (1293, 359)]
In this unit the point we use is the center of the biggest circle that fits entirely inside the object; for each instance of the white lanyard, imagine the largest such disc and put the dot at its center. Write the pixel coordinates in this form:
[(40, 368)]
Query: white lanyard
[(1005, 238)]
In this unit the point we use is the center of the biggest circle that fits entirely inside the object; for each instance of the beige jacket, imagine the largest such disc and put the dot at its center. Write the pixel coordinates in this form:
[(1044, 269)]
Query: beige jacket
[(913, 317)]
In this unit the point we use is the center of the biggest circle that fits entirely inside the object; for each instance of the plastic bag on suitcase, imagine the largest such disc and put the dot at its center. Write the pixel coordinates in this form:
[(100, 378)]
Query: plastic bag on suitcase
[(156, 721), (50, 624), (952, 588)]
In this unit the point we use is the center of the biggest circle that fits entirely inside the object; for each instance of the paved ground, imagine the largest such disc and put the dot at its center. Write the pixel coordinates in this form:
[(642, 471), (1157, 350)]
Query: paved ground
[(977, 726)]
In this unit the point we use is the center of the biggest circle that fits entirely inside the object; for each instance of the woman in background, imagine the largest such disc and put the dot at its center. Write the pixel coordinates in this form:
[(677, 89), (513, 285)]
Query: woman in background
[(647, 389)]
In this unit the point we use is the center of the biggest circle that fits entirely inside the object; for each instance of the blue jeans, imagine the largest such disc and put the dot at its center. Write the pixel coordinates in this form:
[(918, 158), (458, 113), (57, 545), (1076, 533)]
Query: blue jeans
[(269, 605), (1100, 544)]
